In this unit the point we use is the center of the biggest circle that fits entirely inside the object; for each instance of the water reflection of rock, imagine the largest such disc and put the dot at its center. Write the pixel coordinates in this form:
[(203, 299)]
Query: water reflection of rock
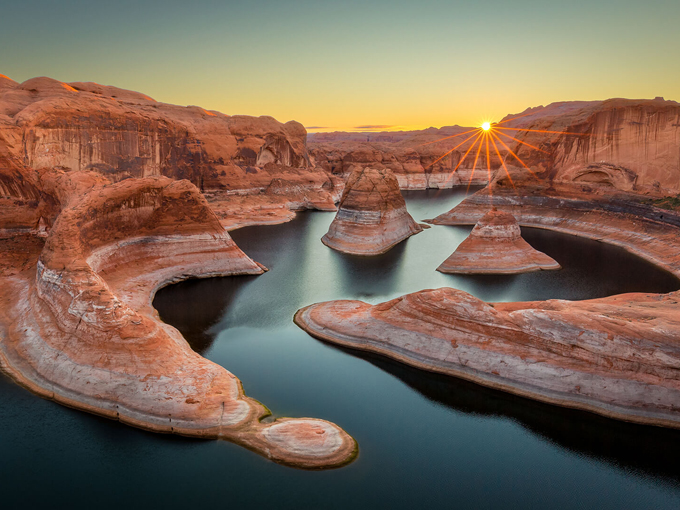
[(609, 269), (590, 270), (195, 306), (369, 276), (641, 450)]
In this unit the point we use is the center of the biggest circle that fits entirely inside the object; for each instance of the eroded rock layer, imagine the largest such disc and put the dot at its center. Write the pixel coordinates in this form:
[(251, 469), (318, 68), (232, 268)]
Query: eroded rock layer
[(414, 157), (119, 134), (625, 144), (496, 246), (372, 215), (627, 220), (77, 325), (619, 356), (616, 356)]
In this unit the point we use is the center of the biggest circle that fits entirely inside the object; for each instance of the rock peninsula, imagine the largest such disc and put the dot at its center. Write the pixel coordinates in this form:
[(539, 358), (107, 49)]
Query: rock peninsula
[(605, 170), (100, 206), (619, 357)]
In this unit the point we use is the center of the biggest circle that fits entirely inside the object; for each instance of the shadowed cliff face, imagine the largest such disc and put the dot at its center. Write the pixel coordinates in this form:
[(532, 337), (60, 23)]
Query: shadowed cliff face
[(21, 202)]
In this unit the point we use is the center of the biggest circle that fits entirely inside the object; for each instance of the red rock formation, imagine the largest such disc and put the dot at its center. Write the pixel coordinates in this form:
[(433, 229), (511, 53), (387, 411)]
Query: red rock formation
[(495, 246), (622, 144), (372, 216), (629, 145), (119, 134), (619, 357), (77, 325), (623, 219), (412, 156)]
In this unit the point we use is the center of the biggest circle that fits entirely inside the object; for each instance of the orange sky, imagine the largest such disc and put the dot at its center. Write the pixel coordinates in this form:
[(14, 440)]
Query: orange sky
[(343, 65)]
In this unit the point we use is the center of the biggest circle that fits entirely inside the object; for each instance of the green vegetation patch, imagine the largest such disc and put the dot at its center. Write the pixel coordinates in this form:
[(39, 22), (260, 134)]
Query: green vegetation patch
[(669, 203)]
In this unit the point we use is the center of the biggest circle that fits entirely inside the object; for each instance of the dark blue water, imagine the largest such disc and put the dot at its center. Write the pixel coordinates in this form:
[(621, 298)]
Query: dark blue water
[(424, 439)]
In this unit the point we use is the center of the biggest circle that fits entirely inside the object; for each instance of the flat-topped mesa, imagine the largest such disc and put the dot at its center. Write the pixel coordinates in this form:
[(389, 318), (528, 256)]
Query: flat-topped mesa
[(496, 246), (372, 215)]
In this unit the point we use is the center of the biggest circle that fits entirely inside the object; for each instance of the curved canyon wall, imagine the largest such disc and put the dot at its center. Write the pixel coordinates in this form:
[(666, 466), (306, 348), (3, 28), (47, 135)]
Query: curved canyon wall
[(119, 134), (99, 207), (77, 325), (622, 144)]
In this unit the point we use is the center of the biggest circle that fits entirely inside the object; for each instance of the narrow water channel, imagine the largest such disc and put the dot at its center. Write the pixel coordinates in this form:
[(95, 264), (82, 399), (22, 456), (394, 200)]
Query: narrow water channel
[(425, 440)]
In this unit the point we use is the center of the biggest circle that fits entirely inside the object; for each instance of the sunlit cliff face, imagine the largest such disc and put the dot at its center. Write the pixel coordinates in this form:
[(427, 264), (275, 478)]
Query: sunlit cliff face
[(487, 137)]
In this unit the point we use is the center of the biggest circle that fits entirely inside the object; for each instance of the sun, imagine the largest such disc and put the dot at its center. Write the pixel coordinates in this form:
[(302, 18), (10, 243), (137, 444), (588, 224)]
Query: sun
[(488, 137)]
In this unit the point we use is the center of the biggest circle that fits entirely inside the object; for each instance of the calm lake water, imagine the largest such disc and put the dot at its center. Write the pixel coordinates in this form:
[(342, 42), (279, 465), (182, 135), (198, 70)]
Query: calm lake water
[(425, 440)]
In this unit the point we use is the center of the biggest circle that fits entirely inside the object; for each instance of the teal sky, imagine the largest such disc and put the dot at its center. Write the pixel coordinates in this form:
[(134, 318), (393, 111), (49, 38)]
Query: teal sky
[(345, 64)]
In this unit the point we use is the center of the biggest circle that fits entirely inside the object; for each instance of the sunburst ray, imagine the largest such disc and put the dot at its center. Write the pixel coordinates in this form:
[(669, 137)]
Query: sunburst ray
[(460, 162), (515, 155), (452, 136), (474, 165), (507, 172), (522, 142), (449, 152)]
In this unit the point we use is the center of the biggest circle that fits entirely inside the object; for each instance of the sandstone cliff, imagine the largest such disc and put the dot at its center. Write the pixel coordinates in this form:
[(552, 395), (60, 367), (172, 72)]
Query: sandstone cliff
[(623, 144), (619, 357), (118, 134)]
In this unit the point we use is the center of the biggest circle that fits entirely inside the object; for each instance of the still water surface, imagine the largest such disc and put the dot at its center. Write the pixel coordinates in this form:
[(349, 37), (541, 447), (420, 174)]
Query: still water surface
[(424, 439)]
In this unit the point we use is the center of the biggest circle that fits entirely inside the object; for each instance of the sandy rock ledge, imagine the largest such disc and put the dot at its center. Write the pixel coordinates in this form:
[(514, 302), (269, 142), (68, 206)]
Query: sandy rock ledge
[(77, 325)]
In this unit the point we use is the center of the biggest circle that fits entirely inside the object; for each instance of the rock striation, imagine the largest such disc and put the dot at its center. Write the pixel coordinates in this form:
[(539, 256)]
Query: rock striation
[(372, 215), (414, 157), (618, 357), (496, 246), (77, 325), (623, 144), (119, 134)]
